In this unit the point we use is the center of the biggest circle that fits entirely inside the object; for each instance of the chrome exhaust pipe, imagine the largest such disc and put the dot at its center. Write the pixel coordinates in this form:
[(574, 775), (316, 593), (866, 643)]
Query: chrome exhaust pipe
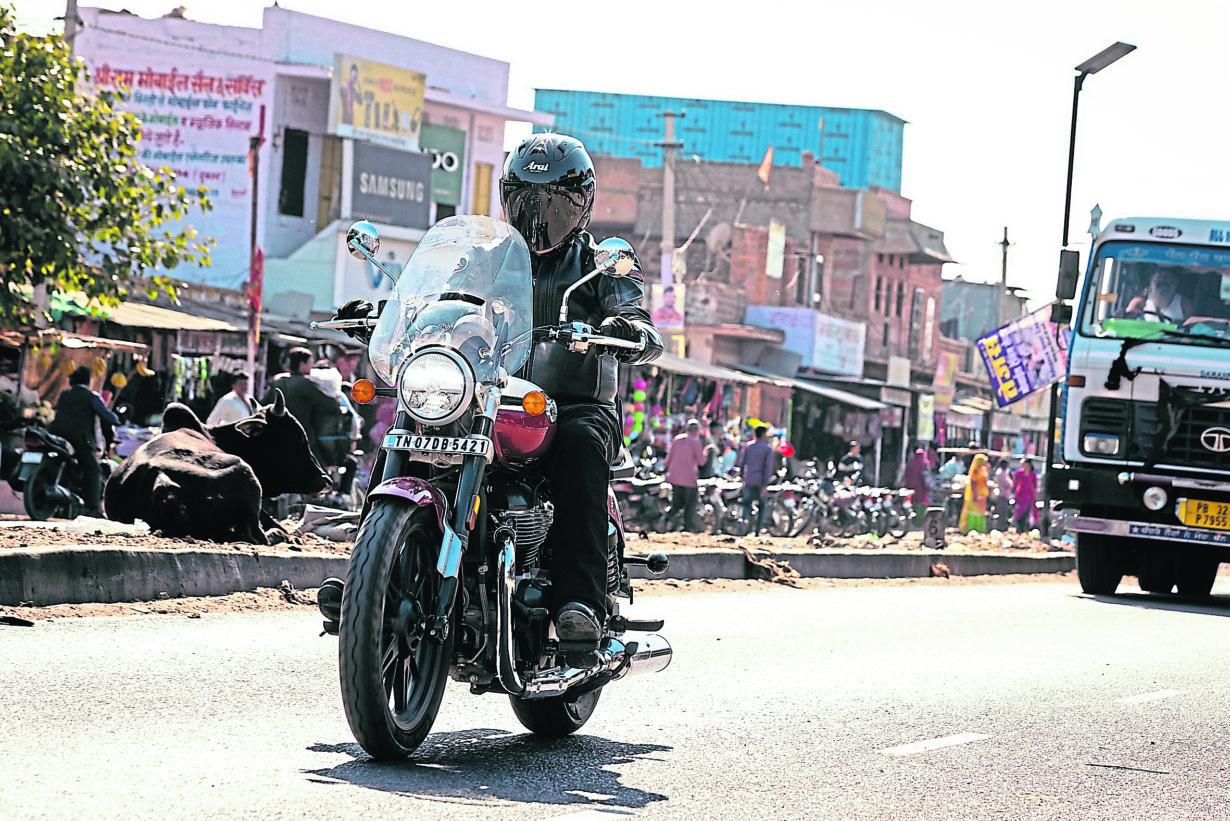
[(652, 655)]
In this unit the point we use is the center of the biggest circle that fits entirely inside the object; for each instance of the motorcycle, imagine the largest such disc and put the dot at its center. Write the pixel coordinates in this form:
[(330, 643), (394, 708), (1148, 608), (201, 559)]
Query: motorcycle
[(448, 577), (49, 478), (644, 501)]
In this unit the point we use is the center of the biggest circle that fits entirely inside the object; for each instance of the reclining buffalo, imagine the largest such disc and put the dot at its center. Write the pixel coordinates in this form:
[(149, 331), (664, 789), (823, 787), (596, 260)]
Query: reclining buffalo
[(208, 482)]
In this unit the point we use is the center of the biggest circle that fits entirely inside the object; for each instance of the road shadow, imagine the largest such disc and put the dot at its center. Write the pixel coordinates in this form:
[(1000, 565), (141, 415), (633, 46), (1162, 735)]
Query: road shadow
[(1216, 605), (477, 766)]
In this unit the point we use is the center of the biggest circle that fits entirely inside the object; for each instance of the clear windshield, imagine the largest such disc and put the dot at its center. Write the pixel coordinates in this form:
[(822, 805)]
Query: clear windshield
[(1158, 290), (466, 286)]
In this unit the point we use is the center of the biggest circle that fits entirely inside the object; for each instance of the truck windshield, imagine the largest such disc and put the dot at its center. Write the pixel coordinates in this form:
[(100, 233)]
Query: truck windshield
[(1154, 290)]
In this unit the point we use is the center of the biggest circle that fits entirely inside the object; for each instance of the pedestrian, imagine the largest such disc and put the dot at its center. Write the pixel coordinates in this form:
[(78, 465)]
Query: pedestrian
[(756, 469), (236, 405), (684, 459), (851, 465), (713, 451), (915, 477), (315, 409), (1025, 491), (78, 411), (977, 492)]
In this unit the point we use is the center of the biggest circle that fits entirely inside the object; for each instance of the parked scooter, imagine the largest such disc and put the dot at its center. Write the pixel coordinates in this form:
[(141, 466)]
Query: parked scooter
[(49, 478)]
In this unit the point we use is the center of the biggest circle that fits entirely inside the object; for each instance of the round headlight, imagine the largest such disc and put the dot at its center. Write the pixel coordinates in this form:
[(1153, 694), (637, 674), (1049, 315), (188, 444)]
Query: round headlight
[(1155, 498), (436, 386)]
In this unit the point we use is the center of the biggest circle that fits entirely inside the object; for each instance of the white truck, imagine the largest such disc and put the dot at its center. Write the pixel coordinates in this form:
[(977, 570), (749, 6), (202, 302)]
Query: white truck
[(1146, 427)]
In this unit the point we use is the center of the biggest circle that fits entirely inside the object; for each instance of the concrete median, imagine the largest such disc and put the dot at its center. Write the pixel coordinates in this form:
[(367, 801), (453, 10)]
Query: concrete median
[(81, 574)]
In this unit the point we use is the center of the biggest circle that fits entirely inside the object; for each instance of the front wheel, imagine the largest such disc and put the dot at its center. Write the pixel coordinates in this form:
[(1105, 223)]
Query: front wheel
[(1099, 566), (392, 674), (556, 716), (38, 497)]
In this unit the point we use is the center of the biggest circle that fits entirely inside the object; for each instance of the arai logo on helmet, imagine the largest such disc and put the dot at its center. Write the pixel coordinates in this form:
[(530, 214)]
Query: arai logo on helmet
[(536, 166)]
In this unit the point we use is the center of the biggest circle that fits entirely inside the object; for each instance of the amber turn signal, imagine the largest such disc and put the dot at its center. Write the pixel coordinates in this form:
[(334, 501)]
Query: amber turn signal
[(363, 391), (534, 403)]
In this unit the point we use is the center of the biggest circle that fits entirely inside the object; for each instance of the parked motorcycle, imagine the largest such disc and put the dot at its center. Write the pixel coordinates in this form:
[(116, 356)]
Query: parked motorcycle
[(49, 478), (448, 576), (644, 500)]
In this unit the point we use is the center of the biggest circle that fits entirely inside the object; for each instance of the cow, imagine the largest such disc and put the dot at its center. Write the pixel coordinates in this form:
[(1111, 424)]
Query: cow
[(207, 482)]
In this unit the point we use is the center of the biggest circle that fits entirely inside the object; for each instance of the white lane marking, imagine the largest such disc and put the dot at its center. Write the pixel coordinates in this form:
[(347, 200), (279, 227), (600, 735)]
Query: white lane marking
[(1143, 697), (934, 743)]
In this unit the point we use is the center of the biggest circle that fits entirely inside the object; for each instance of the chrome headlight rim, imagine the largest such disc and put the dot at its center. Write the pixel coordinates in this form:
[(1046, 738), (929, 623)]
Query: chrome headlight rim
[(464, 399)]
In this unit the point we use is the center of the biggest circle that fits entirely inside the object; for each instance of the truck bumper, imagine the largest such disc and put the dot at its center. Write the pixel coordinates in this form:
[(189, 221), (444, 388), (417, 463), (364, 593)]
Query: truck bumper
[(1148, 530)]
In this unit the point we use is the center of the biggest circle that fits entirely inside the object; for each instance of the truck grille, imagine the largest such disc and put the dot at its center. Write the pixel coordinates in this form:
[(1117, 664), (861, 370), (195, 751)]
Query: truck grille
[(1185, 447)]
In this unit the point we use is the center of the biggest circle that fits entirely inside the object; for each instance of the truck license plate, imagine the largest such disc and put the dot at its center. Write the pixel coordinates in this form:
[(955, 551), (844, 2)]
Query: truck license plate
[(422, 443), (1195, 513)]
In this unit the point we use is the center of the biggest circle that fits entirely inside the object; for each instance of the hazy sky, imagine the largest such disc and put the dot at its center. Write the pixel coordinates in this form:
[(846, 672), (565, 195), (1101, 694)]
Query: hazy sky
[(986, 89)]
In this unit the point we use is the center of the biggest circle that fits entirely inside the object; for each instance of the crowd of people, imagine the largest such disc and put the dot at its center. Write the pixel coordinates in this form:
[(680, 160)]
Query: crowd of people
[(1004, 490)]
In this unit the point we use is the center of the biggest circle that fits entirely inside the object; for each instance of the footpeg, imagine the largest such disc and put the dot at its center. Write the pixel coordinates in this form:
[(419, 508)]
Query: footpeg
[(655, 563), (621, 625)]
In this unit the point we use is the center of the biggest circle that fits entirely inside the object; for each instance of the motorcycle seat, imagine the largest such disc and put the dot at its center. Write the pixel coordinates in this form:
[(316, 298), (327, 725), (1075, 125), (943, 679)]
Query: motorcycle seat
[(58, 442)]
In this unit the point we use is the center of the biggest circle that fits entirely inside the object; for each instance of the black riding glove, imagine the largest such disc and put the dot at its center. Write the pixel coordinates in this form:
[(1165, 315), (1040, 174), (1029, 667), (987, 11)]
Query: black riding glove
[(621, 328), (357, 309)]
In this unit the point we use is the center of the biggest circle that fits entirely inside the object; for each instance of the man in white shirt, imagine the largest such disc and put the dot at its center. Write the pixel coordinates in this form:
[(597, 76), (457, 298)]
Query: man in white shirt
[(236, 405)]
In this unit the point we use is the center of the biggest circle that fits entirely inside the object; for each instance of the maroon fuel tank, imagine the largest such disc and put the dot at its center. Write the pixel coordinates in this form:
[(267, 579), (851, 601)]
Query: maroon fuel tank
[(521, 437)]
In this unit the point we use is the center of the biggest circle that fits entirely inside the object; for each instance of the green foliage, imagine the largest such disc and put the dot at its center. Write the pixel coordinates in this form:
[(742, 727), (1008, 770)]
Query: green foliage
[(78, 211)]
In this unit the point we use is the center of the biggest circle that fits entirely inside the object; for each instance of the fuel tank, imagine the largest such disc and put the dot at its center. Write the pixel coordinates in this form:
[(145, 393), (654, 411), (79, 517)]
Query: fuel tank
[(522, 436)]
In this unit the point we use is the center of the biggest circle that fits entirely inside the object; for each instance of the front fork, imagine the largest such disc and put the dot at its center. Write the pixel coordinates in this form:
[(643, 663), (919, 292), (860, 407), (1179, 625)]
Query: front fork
[(463, 515)]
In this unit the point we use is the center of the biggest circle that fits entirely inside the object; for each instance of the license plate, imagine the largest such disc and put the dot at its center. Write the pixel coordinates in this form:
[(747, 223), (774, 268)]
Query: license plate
[(425, 443), (1195, 513), (31, 457)]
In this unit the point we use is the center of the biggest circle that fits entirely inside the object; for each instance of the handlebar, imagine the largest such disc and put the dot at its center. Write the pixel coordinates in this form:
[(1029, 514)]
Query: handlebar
[(341, 324), (577, 337)]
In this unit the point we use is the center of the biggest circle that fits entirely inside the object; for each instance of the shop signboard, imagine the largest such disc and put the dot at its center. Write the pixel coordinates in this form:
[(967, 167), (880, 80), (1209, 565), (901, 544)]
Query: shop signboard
[(198, 111), (447, 147), (376, 102), (390, 187), (823, 342), (668, 305), (1023, 356)]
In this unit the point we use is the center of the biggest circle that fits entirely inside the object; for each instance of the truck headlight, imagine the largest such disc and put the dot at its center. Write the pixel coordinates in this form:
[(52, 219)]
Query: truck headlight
[(1100, 444), (436, 386), (1155, 498)]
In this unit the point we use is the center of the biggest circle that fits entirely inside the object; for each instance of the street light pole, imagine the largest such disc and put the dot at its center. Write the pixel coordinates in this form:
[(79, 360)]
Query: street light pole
[(1093, 65)]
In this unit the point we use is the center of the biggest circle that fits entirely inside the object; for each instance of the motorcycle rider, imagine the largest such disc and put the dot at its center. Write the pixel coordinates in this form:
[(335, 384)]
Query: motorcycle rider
[(547, 192), (76, 409)]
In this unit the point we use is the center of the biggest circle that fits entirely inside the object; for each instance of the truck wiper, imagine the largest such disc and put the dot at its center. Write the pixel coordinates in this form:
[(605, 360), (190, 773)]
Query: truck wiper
[(1181, 333)]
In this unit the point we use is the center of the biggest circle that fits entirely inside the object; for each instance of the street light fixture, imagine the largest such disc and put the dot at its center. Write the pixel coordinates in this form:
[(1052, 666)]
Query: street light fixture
[(1093, 65)]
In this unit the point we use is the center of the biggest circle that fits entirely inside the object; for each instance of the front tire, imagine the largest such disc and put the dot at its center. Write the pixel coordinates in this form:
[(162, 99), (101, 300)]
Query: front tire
[(392, 675), (1099, 566), (1196, 575), (555, 717), (39, 503)]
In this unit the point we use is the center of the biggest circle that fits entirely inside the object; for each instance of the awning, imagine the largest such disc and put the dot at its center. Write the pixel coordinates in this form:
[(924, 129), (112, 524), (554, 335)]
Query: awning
[(691, 367), (843, 397), (140, 315)]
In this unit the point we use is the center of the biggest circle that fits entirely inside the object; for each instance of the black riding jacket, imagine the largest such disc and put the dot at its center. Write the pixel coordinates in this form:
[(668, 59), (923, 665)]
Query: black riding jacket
[(569, 377)]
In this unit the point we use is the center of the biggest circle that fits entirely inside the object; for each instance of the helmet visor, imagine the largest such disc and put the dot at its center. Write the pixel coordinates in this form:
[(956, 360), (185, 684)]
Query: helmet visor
[(546, 216)]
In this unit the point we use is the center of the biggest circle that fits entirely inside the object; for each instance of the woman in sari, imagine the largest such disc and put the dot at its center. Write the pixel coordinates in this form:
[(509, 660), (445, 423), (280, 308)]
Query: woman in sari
[(974, 510)]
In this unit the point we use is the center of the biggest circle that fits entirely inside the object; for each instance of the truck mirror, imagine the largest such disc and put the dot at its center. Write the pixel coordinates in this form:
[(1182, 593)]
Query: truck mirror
[(1069, 271), (1061, 313)]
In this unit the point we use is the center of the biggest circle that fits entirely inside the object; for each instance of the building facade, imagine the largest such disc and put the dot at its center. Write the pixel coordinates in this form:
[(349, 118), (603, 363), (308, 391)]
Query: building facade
[(862, 147), (351, 123)]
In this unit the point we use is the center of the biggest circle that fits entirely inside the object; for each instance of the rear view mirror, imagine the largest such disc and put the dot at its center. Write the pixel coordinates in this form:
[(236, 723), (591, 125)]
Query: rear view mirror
[(1069, 272), (620, 251)]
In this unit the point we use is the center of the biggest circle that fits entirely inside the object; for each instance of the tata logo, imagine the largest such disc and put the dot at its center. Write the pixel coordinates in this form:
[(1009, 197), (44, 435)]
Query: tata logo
[(1216, 439), (536, 166)]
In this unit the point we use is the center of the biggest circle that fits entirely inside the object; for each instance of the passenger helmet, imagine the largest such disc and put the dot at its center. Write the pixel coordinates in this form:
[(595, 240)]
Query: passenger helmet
[(547, 190)]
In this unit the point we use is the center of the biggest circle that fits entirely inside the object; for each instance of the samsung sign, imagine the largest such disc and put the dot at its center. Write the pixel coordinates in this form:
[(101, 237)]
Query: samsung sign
[(390, 186)]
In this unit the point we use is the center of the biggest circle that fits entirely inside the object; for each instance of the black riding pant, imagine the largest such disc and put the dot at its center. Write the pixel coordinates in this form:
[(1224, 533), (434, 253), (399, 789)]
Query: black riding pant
[(91, 473), (578, 468)]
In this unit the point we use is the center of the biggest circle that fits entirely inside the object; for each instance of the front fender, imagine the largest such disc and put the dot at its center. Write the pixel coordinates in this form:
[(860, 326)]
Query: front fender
[(416, 491)]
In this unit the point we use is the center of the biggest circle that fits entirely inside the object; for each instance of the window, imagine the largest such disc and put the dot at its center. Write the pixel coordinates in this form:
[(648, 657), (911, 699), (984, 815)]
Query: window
[(879, 292), (916, 323), (900, 297), (884, 341), (329, 189), (294, 172)]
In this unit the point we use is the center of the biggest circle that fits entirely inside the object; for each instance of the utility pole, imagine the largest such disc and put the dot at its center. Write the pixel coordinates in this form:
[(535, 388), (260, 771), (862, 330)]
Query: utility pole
[(668, 146), (256, 259), (1001, 297)]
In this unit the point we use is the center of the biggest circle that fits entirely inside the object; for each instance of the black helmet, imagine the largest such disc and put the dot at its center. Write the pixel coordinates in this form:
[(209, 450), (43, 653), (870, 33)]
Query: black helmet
[(547, 190)]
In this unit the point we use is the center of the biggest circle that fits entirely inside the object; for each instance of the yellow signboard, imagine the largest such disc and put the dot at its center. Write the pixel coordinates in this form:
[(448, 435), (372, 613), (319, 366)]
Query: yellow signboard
[(372, 101)]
